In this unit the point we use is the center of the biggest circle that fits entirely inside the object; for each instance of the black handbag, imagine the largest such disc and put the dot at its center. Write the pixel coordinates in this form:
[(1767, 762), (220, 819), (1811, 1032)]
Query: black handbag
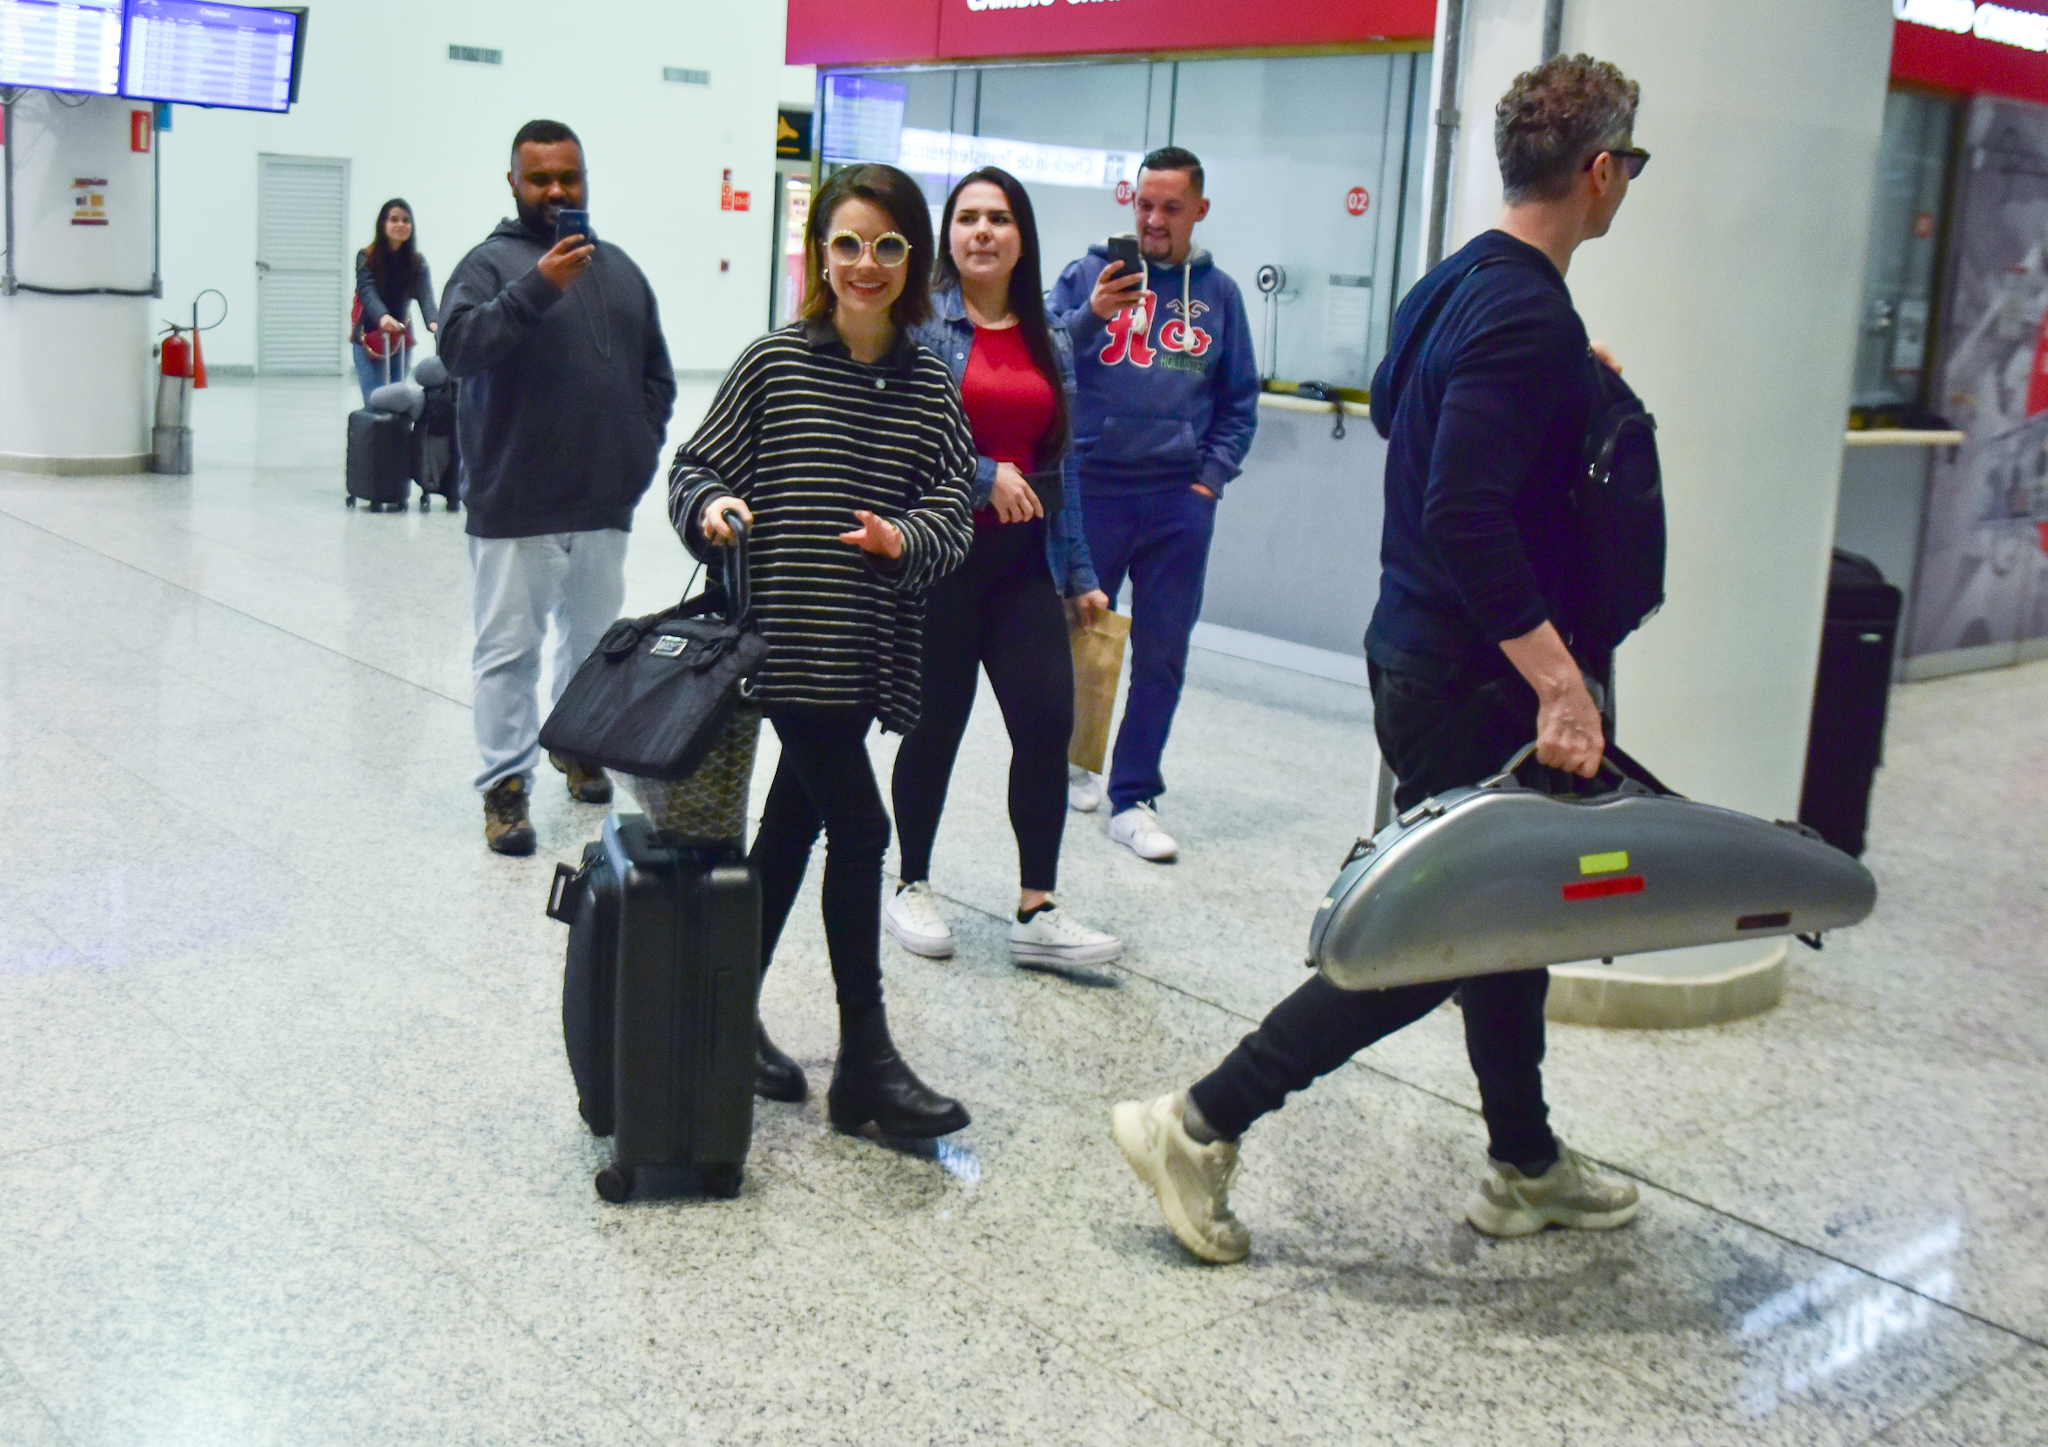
[(657, 693)]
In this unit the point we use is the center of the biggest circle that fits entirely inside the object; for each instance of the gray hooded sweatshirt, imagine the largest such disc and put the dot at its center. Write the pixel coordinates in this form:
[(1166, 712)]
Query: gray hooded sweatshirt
[(564, 396)]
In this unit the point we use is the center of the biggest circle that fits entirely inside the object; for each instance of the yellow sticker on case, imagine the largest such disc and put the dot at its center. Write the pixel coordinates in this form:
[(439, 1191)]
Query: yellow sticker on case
[(1608, 863)]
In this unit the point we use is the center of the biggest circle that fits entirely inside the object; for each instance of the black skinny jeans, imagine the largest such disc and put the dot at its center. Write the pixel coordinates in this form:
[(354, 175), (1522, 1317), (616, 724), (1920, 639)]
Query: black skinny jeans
[(1436, 734), (997, 611), (824, 781)]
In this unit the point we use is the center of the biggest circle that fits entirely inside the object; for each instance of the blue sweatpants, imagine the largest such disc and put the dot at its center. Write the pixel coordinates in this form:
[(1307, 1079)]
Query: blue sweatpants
[(1160, 541)]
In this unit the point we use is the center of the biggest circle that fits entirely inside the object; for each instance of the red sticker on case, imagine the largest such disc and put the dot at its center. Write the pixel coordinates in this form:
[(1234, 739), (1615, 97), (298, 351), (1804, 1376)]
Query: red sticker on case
[(1602, 888)]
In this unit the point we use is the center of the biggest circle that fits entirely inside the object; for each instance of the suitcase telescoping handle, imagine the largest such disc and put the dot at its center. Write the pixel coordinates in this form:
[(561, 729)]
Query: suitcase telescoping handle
[(400, 338)]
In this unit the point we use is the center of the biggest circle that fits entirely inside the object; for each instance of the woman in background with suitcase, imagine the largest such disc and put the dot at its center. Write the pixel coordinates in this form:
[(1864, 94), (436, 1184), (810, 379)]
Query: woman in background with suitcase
[(1002, 611), (842, 445), (390, 276)]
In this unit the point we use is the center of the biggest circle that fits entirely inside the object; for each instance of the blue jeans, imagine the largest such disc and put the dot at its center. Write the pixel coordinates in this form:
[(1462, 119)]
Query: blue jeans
[(1160, 542), (370, 370)]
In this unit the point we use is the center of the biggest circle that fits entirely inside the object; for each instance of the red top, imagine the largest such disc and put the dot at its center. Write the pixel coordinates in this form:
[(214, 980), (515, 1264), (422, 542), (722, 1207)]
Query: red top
[(1010, 404)]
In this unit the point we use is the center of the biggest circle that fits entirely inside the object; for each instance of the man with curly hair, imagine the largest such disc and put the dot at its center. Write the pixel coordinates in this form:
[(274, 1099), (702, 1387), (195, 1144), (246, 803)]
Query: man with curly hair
[(1484, 397)]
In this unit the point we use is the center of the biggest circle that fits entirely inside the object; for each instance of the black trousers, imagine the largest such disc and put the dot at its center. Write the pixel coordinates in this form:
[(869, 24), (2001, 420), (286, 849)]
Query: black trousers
[(1436, 733), (824, 781), (997, 611)]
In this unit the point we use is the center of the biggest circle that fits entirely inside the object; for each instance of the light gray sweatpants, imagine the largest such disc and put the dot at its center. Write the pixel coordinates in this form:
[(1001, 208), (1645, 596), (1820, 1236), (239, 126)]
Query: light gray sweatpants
[(577, 581)]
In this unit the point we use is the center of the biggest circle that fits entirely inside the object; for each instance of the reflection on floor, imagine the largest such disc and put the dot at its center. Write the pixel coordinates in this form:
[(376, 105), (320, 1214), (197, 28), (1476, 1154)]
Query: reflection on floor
[(289, 1153)]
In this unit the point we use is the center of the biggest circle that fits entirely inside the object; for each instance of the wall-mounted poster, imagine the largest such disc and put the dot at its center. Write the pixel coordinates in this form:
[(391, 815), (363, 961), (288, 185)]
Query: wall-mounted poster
[(1983, 580)]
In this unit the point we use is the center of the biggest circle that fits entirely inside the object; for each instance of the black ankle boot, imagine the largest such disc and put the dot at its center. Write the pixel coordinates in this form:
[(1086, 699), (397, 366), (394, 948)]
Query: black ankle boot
[(776, 1076), (871, 1083)]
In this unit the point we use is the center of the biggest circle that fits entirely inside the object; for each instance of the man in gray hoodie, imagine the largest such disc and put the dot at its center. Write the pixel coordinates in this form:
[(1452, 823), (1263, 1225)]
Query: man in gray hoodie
[(565, 394)]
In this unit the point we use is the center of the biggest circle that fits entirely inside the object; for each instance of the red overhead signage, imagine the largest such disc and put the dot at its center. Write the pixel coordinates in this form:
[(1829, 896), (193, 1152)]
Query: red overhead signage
[(1973, 48), (876, 32)]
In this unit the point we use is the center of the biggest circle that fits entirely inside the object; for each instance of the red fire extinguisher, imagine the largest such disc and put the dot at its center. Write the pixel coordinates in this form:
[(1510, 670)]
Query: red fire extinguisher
[(176, 353)]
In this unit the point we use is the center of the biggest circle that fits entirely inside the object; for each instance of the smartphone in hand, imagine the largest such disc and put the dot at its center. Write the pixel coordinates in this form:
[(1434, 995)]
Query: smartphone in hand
[(574, 223), (1125, 249)]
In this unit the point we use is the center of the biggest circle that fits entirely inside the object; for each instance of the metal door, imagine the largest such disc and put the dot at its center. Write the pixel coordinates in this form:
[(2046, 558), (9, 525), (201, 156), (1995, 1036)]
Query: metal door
[(302, 271)]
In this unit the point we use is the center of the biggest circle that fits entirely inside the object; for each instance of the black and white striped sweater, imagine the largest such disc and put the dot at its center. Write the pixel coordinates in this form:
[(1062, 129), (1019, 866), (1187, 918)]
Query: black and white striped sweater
[(804, 434)]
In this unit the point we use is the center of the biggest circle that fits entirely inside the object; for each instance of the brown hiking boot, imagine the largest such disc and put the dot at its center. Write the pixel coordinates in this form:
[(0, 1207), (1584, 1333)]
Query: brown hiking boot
[(588, 784), (506, 828)]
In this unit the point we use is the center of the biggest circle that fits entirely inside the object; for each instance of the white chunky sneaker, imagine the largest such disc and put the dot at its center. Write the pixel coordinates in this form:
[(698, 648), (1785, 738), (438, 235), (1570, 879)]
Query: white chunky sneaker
[(1137, 829), (1084, 795), (1051, 937), (912, 915), (1570, 1193), (1191, 1181)]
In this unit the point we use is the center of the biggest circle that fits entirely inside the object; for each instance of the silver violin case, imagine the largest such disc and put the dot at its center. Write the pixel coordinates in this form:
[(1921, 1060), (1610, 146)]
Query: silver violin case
[(1503, 876)]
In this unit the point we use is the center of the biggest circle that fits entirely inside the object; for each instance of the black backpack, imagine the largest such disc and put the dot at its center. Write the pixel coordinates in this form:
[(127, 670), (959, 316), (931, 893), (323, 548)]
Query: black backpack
[(1617, 506)]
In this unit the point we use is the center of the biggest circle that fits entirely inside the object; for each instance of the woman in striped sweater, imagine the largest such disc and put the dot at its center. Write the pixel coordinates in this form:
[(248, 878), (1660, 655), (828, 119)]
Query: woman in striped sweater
[(842, 444)]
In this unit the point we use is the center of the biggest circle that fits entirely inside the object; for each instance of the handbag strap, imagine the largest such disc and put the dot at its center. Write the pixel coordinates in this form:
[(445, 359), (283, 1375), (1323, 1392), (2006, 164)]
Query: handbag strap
[(739, 581), (736, 590)]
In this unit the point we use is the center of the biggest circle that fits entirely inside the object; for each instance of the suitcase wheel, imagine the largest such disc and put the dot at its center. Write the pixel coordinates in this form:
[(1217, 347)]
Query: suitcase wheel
[(350, 499), (722, 1181), (615, 1183)]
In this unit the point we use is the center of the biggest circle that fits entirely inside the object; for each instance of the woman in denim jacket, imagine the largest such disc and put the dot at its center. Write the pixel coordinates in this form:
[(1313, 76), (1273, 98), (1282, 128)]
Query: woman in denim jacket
[(1002, 609)]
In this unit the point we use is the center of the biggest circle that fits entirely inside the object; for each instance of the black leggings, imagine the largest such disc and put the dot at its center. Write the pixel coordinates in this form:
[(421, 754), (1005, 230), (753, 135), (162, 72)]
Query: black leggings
[(825, 781), (998, 611), (1435, 735)]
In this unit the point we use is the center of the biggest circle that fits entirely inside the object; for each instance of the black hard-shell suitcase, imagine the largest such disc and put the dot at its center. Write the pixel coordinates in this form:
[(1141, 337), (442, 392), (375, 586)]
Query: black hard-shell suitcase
[(659, 999), (380, 457), (1845, 743), (433, 438)]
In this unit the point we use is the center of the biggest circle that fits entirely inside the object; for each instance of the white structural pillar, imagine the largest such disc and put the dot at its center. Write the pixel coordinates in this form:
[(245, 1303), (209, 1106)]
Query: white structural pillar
[(1728, 287), (75, 370)]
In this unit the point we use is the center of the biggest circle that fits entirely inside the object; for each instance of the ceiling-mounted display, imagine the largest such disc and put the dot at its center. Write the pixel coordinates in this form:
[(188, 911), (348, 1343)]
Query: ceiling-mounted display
[(236, 56), (68, 45)]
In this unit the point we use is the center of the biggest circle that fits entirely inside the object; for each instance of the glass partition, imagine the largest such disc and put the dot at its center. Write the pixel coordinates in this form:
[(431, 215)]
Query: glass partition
[(1306, 160), (1907, 223), (1314, 165)]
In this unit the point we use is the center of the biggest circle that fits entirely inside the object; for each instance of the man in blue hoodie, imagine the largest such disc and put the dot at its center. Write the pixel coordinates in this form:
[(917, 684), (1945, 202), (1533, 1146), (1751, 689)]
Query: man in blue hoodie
[(1484, 397), (1167, 399)]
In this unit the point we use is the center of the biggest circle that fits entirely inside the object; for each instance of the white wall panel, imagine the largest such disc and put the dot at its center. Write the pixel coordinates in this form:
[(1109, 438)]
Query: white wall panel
[(379, 90)]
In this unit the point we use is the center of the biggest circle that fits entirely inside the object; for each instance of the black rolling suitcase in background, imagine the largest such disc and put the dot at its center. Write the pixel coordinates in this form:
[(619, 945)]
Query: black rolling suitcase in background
[(380, 456), (1846, 741), (659, 1005), (433, 437)]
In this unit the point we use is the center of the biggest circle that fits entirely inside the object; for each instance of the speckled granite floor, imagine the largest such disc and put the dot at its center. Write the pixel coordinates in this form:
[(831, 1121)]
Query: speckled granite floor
[(288, 1153)]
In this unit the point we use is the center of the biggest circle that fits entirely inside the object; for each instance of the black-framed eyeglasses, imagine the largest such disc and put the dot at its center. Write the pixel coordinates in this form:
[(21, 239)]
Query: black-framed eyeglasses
[(1628, 156)]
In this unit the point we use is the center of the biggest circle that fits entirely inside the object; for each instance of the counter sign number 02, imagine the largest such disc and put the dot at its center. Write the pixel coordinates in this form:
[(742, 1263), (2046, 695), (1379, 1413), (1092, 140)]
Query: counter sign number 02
[(1356, 200)]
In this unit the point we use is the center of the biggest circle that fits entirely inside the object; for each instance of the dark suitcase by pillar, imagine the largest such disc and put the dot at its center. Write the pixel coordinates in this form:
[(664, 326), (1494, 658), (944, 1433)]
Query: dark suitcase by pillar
[(1845, 743), (380, 456), (659, 997)]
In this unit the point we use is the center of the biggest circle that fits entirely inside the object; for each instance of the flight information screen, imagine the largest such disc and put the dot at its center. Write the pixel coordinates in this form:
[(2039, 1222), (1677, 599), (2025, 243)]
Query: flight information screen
[(209, 55), (70, 45)]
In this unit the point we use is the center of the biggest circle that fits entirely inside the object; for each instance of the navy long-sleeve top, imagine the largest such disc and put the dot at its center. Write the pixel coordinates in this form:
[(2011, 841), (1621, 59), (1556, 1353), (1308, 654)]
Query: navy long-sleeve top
[(1484, 399)]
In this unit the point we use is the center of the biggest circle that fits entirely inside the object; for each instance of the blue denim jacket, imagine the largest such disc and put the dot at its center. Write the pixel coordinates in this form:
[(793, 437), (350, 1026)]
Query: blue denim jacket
[(951, 335)]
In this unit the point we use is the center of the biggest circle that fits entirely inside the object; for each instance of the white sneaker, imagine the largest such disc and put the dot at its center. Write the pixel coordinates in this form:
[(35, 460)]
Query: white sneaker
[(1050, 937), (1192, 1182), (1084, 795), (1570, 1193), (912, 915), (1137, 829)]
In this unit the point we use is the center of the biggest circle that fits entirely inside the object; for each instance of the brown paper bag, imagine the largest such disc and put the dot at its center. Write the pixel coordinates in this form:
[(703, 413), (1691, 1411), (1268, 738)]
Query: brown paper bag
[(1098, 664)]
